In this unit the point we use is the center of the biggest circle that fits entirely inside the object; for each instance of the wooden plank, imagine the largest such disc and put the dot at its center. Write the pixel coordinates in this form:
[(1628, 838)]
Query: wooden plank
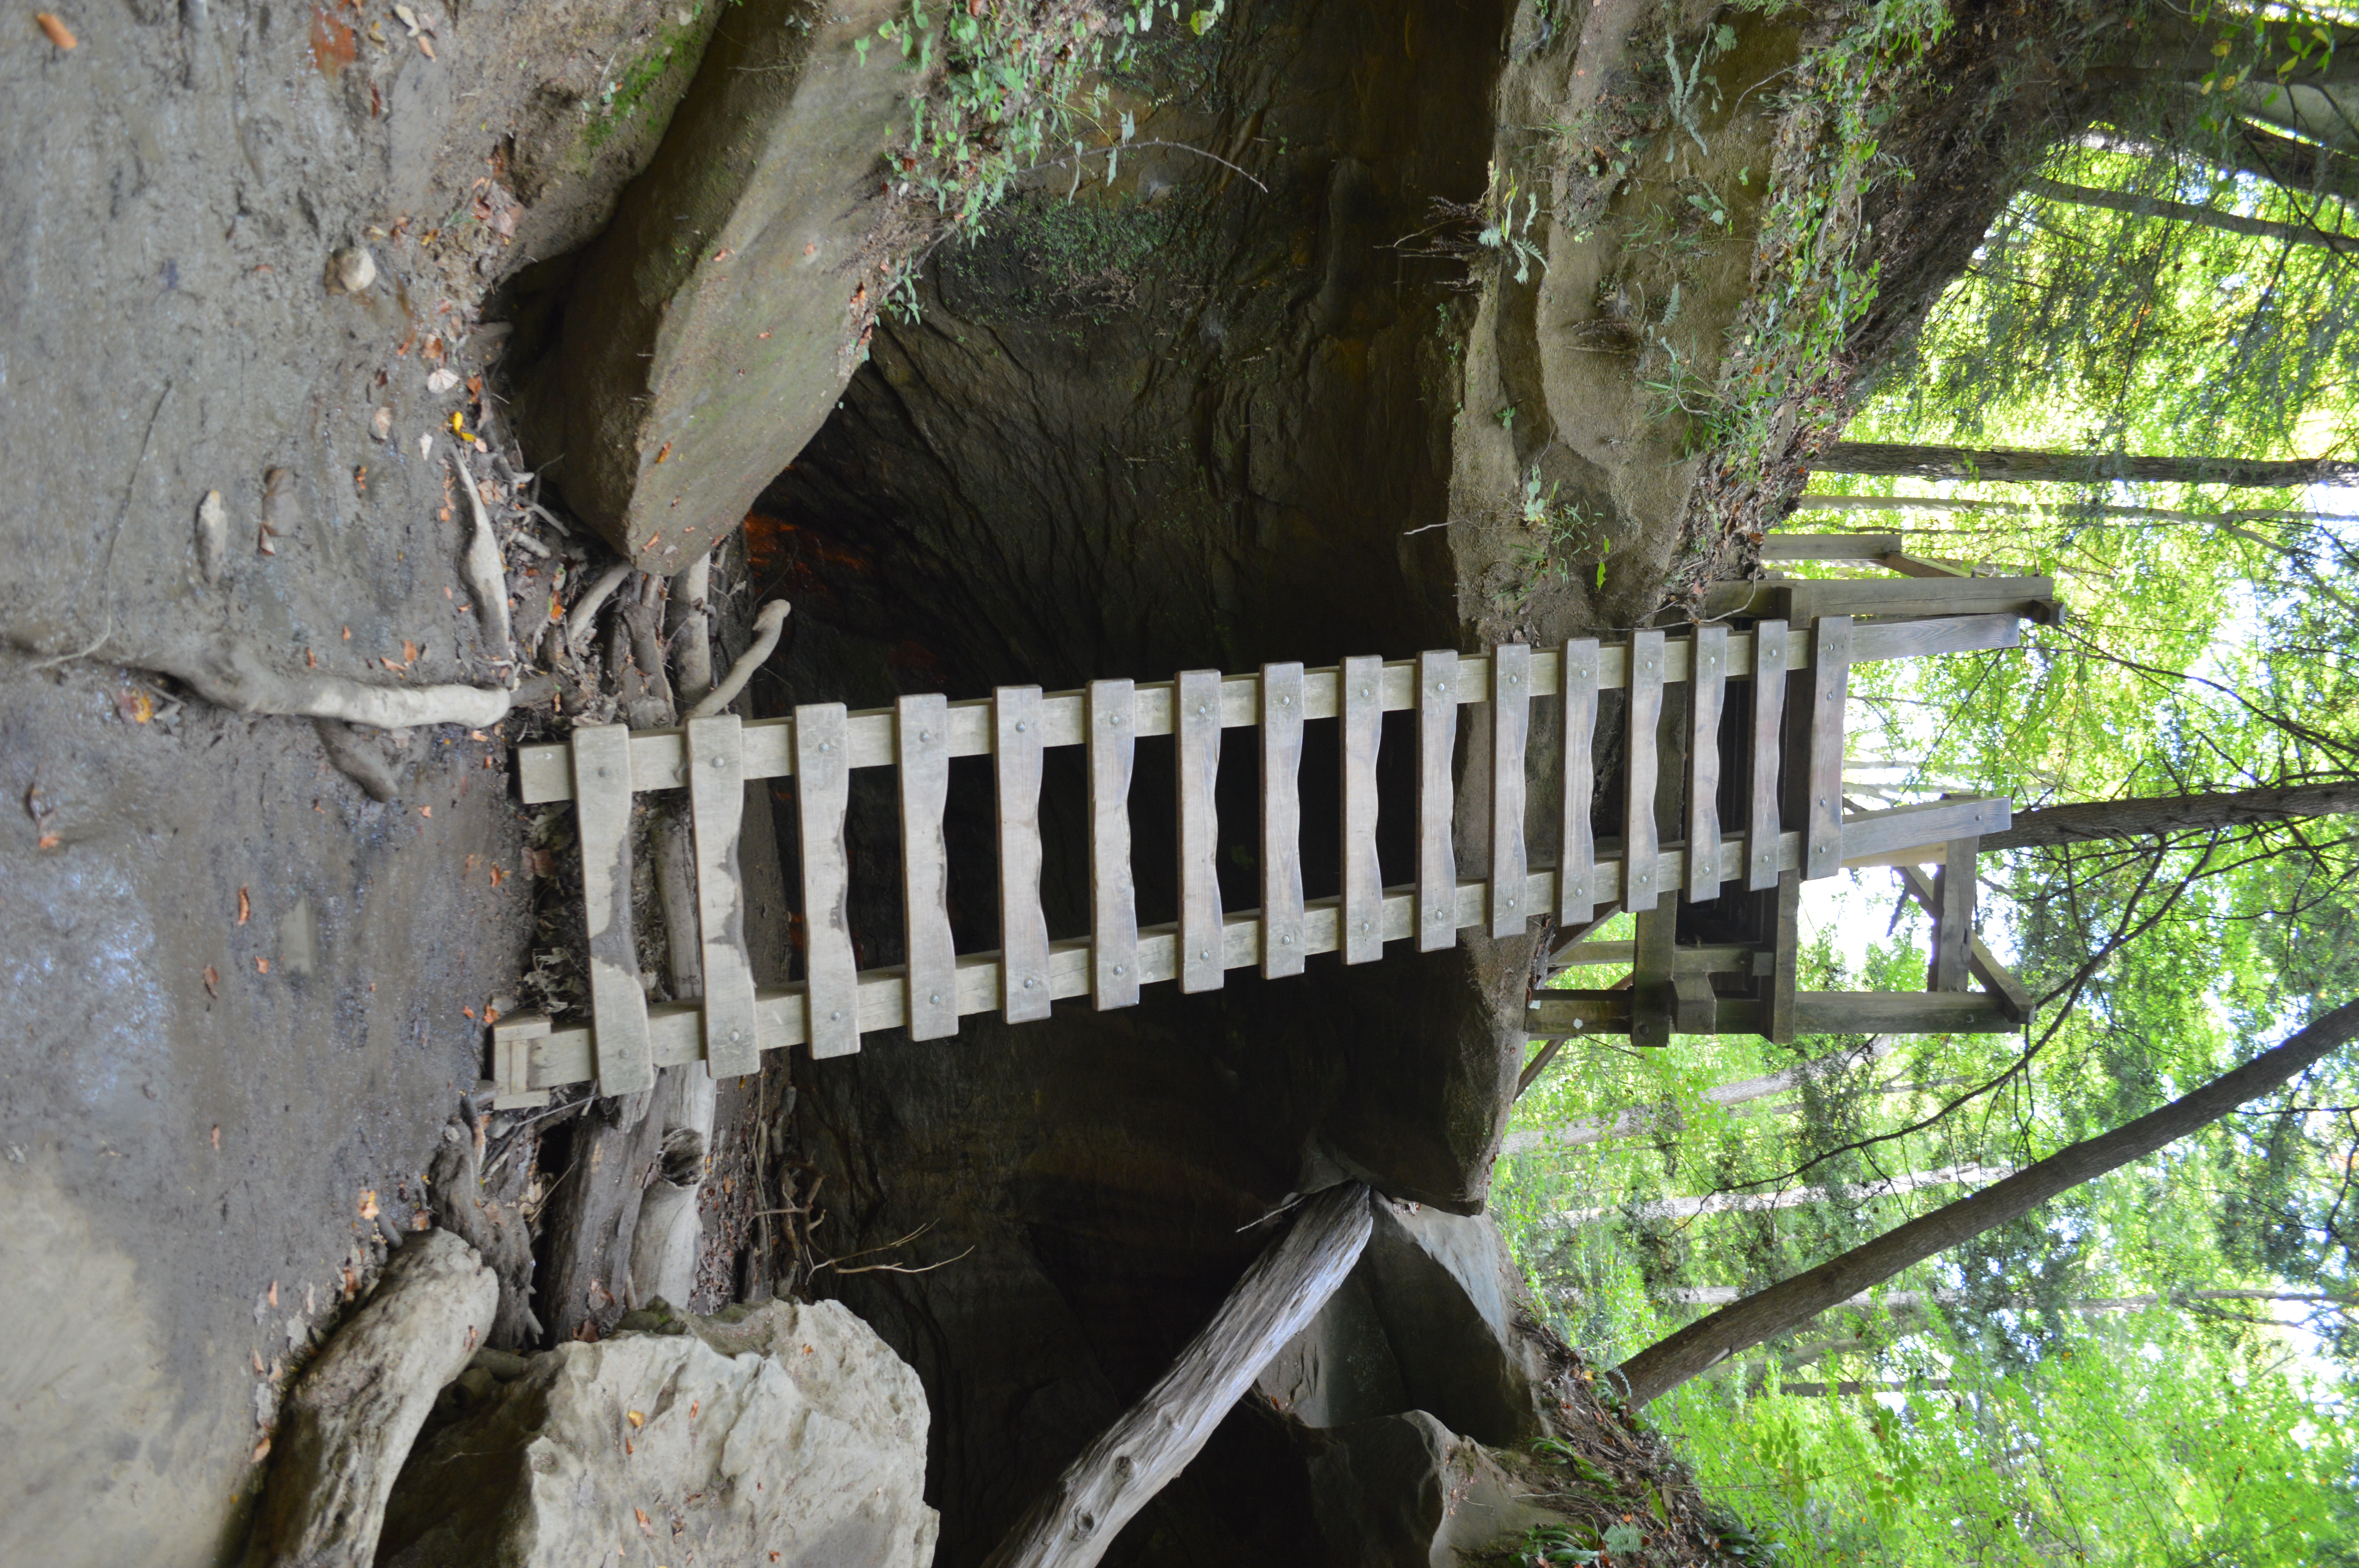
[(1114, 889), (1708, 672), (1511, 703), (1896, 560), (1640, 842), (1768, 718), (822, 795), (1694, 1009), (1899, 1013), (716, 803), (1017, 741), (1786, 952), (1569, 1014), (922, 740), (618, 1003), (1953, 916), (1577, 886), (1198, 751), (1943, 635), (2032, 598), (1873, 834), (2013, 999), (512, 1039), (1829, 546), (1436, 860), (1362, 911), (1823, 811), (1072, 1524), (1281, 820), (1713, 958)]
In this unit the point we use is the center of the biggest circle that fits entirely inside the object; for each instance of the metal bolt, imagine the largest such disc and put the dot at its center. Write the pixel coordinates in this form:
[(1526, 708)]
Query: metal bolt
[(1364, 691), (925, 734), (827, 746), (1117, 969), (1440, 685), (1509, 902), (1286, 941), (1206, 953), (1115, 720), (1364, 925), (720, 761), (935, 999), (1029, 982), (1021, 726), (735, 1035), (1201, 708), (836, 1016)]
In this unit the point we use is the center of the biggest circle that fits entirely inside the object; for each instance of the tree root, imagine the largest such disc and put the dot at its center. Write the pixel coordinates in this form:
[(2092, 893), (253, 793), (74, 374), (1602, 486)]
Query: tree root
[(487, 574), (357, 759), (766, 626), (230, 676), (585, 609)]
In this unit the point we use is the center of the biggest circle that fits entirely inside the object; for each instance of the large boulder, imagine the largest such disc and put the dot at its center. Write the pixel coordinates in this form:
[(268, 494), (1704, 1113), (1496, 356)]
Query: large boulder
[(709, 330), (785, 1434), (1404, 1491)]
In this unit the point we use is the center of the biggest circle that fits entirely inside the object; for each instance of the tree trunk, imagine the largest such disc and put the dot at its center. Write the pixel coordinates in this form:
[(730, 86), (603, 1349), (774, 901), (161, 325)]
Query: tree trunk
[(2147, 816), (1673, 1359), (1640, 1118), (2209, 218), (2015, 466), (1075, 1520), (1797, 1197), (2068, 511)]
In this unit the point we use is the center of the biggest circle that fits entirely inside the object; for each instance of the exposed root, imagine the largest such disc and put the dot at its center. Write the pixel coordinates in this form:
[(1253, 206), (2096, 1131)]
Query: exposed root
[(230, 676), (585, 609), (357, 759), (487, 574), (767, 624)]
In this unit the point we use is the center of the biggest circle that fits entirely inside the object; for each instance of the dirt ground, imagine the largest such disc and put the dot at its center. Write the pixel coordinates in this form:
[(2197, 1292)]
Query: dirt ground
[(241, 996)]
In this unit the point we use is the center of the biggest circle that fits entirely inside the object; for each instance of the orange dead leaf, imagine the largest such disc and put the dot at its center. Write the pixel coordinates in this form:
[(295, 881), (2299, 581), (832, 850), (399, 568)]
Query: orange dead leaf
[(274, 1292), (470, 1012), (244, 906), (497, 876), (348, 634), (642, 1516), (421, 1220), (48, 841), (635, 1419), (663, 452), (216, 1137), (261, 1452), (212, 980), (368, 1203), (258, 1368), (425, 811), (59, 34)]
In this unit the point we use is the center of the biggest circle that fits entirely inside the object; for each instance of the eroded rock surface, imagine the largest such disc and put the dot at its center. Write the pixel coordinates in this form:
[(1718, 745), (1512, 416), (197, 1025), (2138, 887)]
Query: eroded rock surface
[(786, 1433)]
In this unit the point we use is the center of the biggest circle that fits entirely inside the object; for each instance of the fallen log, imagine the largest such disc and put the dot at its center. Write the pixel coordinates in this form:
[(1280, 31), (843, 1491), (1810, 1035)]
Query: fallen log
[(1075, 1520)]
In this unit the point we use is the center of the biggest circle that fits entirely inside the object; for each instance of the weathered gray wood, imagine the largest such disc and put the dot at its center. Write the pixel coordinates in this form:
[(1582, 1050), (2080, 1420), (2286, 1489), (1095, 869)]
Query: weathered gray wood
[(1436, 859), (1708, 688), (2013, 999), (1114, 890), (1017, 744), (1281, 820), (1829, 546), (350, 1422), (716, 806), (618, 1003), (1196, 695), (1768, 719), (1785, 963), (1577, 878), (1071, 1525), (1871, 835), (512, 1039), (2032, 598), (921, 742), (1830, 683), (1899, 1013), (1569, 1014), (1653, 965), (1941, 634), (1362, 911), (1640, 841), (1511, 703), (1714, 958), (1953, 916), (1915, 565), (1694, 1009), (822, 795)]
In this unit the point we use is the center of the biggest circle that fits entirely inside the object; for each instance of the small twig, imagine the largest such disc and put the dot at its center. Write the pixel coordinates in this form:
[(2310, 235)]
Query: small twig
[(1445, 523), (1127, 147), (895, 1268), (768, 622), (106, 569)]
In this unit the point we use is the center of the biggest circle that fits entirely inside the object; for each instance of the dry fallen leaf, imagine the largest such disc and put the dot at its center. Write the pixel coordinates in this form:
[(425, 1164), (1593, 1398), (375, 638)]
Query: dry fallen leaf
[(261, 1452), (642, 1514), (244, 907), (59, 34), (421, 1220), (425, 446), (48, 841), (216, 1137), (442, 381), (274, 1292), (636, 1421), (368, 1203), (212, 980), (262, 965), (381, 422), (425, 811), (258, 1368)]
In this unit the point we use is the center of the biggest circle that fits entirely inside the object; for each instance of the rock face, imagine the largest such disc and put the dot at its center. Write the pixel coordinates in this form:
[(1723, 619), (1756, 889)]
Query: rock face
[(785, 1434), (354, 1416), (1404, 1491), (707, 332)]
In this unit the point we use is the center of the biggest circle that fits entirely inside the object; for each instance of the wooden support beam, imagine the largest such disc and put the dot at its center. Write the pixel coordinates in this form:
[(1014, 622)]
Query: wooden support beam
[(1787, 946), (1913, 565), (822, 795), (1829, 546), (1017, 742), (1564, 1014), (1768, 719), (1114, 890), (1711, 958), (1953, 916), (716, 799), (1823, 832), (1196, 696), (1511, 699), (1708, 679), (1363, 907), (1577, 888), (1071, 1525), (1654, 965), (1641, 884), (618, 1003), (2014, 997), (1281, 821), (2033, 598), (921, 736), (1436, 860)]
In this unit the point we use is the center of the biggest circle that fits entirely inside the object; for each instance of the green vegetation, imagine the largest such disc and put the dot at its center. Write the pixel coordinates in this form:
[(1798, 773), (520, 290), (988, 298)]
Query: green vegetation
[(617, 101), (2157, 1368)]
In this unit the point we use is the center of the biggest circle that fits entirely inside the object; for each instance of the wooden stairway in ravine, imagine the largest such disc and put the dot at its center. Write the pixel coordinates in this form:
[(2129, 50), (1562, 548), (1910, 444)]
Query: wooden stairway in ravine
[(1714, 891)]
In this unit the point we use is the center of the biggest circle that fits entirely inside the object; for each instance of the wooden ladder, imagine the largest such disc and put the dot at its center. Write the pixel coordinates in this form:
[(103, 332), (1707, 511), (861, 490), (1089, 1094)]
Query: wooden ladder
[(1769, 843)]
